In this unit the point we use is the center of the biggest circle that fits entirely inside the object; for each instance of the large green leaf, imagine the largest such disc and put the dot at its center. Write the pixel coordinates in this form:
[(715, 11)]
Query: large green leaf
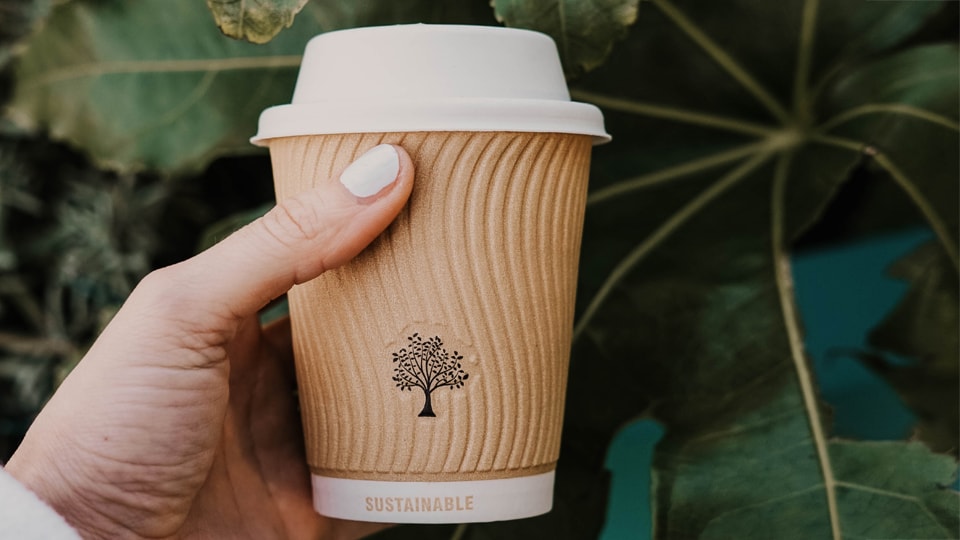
[(153, 83), (585, 30), (724, 151), (257, 21)]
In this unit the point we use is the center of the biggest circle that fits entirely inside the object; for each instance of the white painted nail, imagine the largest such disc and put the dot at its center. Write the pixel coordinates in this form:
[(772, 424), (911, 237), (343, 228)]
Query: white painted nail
[(376, 169)]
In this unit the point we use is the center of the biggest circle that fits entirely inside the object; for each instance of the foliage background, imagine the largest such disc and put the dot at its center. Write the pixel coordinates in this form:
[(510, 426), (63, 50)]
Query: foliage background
[(743, 129)]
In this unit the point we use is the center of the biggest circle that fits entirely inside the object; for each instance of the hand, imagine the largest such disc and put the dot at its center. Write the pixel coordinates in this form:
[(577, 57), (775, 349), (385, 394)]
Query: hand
[(180, 421)]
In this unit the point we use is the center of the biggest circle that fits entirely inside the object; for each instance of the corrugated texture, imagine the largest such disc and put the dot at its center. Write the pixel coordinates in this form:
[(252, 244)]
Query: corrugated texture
[(485, 258)]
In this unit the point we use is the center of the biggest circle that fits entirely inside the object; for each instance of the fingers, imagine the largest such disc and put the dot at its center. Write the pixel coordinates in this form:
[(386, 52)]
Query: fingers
[(300, 238)]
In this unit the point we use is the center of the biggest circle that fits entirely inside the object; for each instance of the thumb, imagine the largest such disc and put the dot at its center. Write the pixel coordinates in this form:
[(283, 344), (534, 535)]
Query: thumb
[(297, 240)]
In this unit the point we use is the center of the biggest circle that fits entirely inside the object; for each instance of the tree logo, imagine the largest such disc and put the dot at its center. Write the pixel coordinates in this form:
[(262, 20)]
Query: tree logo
[(428, 366)]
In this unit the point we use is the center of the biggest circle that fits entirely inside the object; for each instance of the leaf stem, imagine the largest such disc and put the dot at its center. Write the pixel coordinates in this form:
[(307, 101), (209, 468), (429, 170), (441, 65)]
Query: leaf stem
[(628, 263), (459, 532), (840, 142), (777, 140), (725, 61), (801, 105), (894, 495), (673, 173), (895, 108), (33, 346), (936, 223), (673, 113), (782, 271)]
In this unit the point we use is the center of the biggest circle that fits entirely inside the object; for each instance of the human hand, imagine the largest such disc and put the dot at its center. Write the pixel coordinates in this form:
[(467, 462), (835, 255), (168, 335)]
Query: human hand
[(180, 421)]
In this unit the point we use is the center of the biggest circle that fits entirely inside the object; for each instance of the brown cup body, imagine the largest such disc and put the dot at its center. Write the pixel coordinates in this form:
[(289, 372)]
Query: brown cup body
[(472, 287)]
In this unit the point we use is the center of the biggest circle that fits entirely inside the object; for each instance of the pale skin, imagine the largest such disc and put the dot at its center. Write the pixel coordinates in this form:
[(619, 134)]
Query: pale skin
[(180, 422)]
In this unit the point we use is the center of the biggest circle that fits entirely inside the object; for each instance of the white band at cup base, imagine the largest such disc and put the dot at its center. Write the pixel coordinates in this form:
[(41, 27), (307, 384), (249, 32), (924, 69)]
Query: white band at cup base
[(433, 502)]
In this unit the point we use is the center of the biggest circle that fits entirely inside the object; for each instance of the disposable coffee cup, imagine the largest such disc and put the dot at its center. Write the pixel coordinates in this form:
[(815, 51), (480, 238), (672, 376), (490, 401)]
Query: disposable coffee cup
[(432, 368)]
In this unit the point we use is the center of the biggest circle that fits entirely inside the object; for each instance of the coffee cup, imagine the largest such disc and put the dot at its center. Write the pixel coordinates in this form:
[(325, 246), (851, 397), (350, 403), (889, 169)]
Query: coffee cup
[(432, 368)]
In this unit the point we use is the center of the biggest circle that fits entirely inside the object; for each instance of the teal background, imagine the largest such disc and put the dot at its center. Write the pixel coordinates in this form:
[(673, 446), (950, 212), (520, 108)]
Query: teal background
[(842, 292)]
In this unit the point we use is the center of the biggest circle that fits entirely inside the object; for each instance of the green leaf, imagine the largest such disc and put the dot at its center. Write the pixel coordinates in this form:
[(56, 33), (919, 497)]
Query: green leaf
[(257, 21), (923, 328), (902, 487), (585, 31), (882, 493), (153, 85)]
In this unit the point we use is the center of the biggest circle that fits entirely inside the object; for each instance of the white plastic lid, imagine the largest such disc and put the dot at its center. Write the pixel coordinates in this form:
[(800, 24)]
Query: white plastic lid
[(430, 78)]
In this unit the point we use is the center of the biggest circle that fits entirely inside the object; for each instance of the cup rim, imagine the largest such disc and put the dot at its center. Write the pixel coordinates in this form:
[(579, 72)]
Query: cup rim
[(452, 114)]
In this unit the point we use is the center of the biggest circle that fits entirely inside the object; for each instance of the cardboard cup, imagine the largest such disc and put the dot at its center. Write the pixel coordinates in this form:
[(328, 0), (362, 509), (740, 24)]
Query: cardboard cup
[(432, 368)]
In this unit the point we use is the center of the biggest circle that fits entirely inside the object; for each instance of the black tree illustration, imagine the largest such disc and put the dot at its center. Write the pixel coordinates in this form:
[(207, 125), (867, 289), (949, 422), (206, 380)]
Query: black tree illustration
[(428, 366)]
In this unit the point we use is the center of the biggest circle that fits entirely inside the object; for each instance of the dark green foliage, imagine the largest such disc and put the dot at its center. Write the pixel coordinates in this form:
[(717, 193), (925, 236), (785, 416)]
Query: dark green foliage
[(73, 243)]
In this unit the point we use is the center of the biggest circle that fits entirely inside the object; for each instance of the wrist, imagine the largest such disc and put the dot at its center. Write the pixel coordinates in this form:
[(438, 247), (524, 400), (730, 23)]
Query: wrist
[(61, 490)]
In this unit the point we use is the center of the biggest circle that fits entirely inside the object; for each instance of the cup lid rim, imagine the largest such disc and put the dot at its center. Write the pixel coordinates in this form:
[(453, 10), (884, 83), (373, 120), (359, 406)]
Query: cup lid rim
[(450, 114)]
